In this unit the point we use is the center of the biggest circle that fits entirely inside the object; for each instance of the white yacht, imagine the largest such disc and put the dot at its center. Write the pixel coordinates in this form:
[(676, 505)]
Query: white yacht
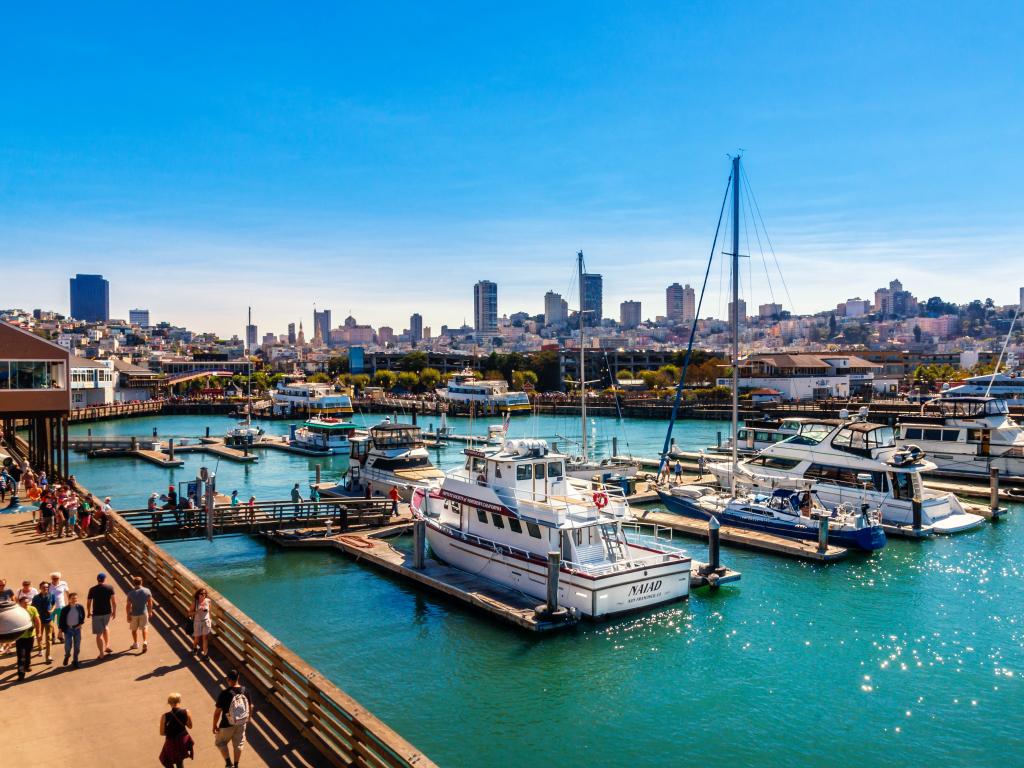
[(491, 395), (244, 434), (500, 515), (756, 435), (967, 437), (298, 396), (852, 462), (323, 435), (1006, 386), (390, 456)]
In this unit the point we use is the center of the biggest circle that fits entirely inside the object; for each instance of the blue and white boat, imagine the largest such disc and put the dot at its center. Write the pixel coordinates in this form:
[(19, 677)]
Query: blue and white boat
[(795, 514)]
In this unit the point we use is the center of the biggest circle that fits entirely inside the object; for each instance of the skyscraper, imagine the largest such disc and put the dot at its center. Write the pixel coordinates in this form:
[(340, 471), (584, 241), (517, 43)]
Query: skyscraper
[(629, 314), (291, 333), (674, 303), (139, 317), (251, 335), (689, 304), (485, 308), (556, 309), (90, 298), (416, 327), (322, 326), (593, 299)]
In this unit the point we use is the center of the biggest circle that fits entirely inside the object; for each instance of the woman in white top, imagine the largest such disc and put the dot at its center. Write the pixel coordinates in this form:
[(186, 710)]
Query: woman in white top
[(202, 624)]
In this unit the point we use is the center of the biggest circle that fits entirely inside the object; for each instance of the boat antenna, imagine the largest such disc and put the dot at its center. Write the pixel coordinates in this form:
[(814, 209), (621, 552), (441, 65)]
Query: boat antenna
[(1002, 352), (693, 334)]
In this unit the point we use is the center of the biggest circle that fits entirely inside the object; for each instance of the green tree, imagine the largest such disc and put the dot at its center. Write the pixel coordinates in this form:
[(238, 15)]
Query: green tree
[(360, 381), (337, 365), (408, 380), (832, 326), (385, 379), (414, 361), (546, 365), (319, 378), (522, 379), (430, 378)]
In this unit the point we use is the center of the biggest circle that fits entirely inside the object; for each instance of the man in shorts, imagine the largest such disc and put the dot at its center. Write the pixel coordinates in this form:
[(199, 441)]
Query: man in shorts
[(230, 718), (101, 607), (140, 607)]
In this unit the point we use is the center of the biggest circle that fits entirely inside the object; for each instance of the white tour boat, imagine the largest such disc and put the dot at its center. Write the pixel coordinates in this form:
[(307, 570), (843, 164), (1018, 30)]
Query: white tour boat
[(323, 435), (489, 395), (390, 456), (852, 462), (967, 437), (298, 396), (1006, 386), (500, 516)]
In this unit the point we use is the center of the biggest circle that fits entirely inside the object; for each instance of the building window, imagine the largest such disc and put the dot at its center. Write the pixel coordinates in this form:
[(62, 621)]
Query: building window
[(31, 374)]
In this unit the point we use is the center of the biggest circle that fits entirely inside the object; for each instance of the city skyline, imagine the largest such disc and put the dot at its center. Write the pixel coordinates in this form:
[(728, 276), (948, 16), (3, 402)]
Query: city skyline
[(503, 154)]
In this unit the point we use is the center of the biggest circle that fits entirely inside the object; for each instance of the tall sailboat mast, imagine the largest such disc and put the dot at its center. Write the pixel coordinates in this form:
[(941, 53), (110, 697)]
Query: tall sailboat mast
[(583, 369), (248, 388), (735, 319)]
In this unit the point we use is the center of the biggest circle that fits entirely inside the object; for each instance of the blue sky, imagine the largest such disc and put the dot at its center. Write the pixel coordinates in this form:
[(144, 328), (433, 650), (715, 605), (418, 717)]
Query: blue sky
[(204, 158)]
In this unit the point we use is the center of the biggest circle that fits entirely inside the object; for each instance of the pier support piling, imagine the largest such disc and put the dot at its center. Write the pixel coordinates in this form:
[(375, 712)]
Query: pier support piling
[(915, 506), (170, 447), (207, 431), (615, 446), (154, 432), (135, 443), (718, 438), (823, 533), (714, 545), (554, 566), (318, 474), (993, 489), (419, 543)]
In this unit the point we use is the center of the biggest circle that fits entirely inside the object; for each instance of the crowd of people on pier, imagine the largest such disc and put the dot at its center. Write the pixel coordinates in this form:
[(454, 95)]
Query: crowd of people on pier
[(59, 510)]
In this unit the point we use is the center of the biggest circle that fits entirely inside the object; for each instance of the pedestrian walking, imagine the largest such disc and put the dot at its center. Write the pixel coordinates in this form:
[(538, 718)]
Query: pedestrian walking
[(394, 495), (202, 623), (232, 714), (677, 470), (314, 493), (6, 595), (178, 743), (700, 465), (85, 520), (101, 607), (23, 645), (70, 624), (296, 498), (252, 510), (140, 607), (27, 590), (155, 514), (45, 606), (59, 590)]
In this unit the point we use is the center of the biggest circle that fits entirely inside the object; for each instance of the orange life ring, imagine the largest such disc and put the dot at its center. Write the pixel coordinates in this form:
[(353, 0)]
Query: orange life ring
[(600, 499)]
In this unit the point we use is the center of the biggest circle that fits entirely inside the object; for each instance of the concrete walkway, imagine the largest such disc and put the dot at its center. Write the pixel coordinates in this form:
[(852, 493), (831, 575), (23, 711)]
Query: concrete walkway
[(107, 712)]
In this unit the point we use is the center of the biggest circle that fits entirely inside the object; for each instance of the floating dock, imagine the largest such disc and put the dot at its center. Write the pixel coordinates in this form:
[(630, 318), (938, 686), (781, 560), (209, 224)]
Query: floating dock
[(748, 539)]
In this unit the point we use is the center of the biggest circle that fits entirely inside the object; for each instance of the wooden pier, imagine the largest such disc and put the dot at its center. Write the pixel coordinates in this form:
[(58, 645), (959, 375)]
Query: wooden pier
[(748, 539)]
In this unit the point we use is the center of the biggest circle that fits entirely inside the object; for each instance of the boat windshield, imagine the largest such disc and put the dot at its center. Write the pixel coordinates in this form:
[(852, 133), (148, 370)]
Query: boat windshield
[(967, 408), (810, 434), (859, 438)]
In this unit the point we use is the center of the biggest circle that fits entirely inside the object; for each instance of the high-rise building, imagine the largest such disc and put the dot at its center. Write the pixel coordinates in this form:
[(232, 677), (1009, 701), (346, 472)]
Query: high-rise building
[(291, 333), (485, 308), (385, 335), (629, 314), (593, 299), (251, 334), (139, 317), (769, 311), (90, 298), (742, 311), (416, 327), (322, 326), (674, 303), (556, 309)]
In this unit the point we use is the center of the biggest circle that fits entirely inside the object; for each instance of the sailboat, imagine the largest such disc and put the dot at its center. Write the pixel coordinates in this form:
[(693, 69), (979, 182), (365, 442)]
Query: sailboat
[(245, 433), (585, 466), (790, 513)]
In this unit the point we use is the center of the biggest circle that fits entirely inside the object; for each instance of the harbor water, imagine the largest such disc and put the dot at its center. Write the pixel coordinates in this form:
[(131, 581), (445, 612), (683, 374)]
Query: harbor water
[(911, 656)]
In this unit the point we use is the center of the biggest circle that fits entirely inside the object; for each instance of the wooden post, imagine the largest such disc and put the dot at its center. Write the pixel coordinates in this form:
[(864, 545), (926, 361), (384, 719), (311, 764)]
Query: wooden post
[(170, 447), (993, 485), (154, 431), (344, 519), (719, 438), (419, 543), (135, 443), (318, 474), (915, 505), (714, 546), (207, 431), (615, 445), (554, 565), (89, 434), (823, 534)]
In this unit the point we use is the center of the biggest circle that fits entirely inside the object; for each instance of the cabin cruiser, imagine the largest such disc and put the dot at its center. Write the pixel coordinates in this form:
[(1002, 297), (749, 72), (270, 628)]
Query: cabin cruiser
[(243, 435), (1006, 386), (294, 396), (391, 455), (756, 435), (491, 395), (583, 468), (855, 462), (783, 512), (966, 437), (500, 515), (322, 435)]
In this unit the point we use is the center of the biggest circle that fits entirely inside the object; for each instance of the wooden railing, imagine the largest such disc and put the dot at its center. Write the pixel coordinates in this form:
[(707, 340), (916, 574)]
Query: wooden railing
[(335, 723), (342, 513), (97, 412)]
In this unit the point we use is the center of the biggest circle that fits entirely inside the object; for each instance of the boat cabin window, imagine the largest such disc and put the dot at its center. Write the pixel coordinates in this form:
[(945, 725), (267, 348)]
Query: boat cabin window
[(844, 476), (515, 525), (499, 522), (533, 529), (524, 472), (538, 471), (933, 434), (774, 462), (902, 486), (555, 470), (481, 516), (810, 434)]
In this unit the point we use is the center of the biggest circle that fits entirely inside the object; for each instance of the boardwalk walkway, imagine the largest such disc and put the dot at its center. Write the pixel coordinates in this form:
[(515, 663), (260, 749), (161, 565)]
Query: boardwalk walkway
[(106, 713)]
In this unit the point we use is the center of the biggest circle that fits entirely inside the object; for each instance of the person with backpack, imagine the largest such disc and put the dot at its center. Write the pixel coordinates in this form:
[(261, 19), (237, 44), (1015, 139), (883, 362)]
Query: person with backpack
[(178, 743), (232, 714)]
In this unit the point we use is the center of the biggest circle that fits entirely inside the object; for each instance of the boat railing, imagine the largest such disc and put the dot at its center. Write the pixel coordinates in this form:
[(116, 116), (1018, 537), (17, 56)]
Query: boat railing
[(628, 564), (658, 535), (496, 546)]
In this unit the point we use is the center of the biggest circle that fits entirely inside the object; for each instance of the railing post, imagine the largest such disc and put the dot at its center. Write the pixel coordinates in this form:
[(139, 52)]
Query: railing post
[(419, 536), (554, 566)]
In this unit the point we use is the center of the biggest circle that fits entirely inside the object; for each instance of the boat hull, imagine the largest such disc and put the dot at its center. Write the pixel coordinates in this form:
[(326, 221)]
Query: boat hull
[(867, 539), (593, 598)]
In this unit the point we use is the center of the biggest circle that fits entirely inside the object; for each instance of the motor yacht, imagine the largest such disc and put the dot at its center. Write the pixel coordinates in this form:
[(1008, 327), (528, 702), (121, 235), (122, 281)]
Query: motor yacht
[(322, 435), (391, 455), (490, 396), (500, 515)]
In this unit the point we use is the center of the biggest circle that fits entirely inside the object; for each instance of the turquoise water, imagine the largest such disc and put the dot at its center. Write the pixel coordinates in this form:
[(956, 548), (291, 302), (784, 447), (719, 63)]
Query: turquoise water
[(913, 656)]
